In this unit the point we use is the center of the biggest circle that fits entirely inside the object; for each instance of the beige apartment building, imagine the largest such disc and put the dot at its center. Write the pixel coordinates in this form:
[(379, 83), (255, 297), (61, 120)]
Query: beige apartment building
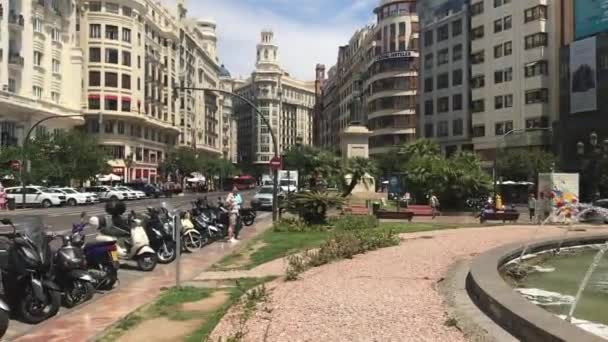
[(514, 72), (287, 103), (40, 67), (121, 59)]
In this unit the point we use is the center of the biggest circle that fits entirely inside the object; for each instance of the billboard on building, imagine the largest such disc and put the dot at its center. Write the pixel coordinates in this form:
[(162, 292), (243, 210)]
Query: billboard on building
[(583, 76), (437, 9), (590, 17)]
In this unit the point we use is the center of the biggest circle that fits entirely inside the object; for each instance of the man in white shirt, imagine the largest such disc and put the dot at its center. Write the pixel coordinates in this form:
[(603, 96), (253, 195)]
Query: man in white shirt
[(233, 213)]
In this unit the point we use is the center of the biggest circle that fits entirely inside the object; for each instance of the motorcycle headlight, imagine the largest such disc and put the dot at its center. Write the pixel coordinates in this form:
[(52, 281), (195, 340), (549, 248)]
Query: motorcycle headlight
[(167, 228)]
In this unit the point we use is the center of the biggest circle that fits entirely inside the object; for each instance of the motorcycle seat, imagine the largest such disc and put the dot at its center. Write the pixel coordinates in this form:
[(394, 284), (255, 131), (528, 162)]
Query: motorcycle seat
[(118, 227)]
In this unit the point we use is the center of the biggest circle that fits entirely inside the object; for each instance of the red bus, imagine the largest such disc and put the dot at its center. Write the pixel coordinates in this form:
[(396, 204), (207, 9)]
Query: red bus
[(244, 182)]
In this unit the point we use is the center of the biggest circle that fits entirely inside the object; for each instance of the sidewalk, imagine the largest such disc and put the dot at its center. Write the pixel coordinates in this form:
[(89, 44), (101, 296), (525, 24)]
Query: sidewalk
[(90, 320)]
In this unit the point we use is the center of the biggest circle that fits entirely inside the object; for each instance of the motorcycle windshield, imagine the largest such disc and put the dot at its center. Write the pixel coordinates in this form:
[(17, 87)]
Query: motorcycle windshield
[(32, 228)]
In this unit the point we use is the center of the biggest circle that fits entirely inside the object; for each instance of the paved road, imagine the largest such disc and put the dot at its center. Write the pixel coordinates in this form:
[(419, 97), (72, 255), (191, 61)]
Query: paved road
[(60, 220)]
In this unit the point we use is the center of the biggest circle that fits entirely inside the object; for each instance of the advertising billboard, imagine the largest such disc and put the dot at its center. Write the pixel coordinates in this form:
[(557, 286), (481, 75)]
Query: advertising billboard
[(590, 17), (583, 76), (437, 9)]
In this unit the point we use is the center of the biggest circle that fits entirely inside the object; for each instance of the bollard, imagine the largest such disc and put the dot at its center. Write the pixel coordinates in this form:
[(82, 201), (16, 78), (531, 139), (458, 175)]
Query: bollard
[(178, 247)]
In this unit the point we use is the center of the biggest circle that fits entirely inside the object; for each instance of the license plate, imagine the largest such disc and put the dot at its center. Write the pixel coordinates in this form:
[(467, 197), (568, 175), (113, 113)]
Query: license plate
[(114, 255)]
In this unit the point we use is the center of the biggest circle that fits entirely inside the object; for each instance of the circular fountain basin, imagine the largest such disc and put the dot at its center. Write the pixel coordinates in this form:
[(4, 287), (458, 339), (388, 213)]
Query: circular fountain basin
[(510, 309)]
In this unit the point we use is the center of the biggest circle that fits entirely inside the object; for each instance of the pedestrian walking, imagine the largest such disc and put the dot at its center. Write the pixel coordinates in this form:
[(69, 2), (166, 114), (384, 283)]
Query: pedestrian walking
[(435, 205), (233, 213), (532, 207)]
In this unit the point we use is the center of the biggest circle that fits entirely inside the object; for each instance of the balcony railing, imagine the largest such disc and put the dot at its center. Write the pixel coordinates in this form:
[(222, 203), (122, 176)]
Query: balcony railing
[(16, 19), (15, 59)]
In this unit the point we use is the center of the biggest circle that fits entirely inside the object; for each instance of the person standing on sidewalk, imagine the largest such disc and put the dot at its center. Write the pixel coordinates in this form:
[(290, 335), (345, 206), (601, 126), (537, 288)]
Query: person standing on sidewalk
[(233, 213), (532, 208), (435, 206)]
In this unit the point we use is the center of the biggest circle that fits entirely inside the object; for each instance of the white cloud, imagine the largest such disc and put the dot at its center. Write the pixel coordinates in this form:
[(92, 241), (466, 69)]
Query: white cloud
[(301, 45)]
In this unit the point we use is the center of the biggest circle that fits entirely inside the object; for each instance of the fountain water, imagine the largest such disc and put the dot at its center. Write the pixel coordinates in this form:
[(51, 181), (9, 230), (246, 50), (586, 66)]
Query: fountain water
[(581, 289)]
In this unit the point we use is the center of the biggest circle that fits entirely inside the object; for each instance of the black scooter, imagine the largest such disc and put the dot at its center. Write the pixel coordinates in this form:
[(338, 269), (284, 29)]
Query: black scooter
[(161, 235), (71, 274), (26, 272)]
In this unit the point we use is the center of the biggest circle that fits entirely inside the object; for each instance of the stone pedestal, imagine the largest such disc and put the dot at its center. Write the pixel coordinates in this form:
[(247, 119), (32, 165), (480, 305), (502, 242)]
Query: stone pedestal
[(355, 143)]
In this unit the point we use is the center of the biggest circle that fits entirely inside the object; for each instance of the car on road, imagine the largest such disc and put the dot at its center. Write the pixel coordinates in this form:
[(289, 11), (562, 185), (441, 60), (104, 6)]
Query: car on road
[(133, 194), (75, 197), (149, 189), (36, 196), (263, 198), (107, 193), (94, 198)]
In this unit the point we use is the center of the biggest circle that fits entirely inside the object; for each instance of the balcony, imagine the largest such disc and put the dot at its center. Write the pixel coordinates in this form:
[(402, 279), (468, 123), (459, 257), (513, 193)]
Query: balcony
[(16, 20), (15, 59)]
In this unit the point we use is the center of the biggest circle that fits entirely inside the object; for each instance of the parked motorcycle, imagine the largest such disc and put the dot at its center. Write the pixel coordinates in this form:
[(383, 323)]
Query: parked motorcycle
[(161, 233), (101, 257), (70, 273), (129, 233), (192, 239), (208, 222), (248, 216), (4, 317), (26, 272)]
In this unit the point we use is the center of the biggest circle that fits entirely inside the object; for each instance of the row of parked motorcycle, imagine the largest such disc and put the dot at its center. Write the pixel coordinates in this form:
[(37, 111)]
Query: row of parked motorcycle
[(37, 281)]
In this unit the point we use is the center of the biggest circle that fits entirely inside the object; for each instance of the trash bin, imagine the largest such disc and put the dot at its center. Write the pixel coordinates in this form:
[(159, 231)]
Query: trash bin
[(11, 203), (375, 207)]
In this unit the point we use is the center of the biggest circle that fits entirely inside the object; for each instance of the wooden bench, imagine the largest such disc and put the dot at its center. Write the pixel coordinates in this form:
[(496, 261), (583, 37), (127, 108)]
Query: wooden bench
[(504, 216), (395, 215), (357, 210)]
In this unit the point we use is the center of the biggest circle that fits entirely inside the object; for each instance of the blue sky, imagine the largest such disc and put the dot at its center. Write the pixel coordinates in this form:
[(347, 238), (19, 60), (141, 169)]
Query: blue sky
[(308, 32)]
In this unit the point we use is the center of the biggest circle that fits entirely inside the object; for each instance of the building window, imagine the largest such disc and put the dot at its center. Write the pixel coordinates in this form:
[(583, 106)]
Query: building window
[(537, 96), (443, 104), (429, 130), (477, 32), (478, 81), (111, 103), (428, 107), (536, 40), (477, 8), (94, 55), (428, 84), (508, 46), (428, 61), (457, 102), (457, 127), (497, 25), (12, 85), (505, 75), (95, 31), (498, 3), (108, 127), (457, 52), (540, 122), (535, 13), (55, 97), (111, 32), (55, 35), (111, 79), (37, 58), (479, 131), (125, 107), (443, 129), (443, 57), (56, 66), (37, 22), (443, 33), (508, 101), (94, 104), (478, 106), (457, 77), (428, 38), (95, 6), (94, 78), (536, 68), (478, 57), (126, 81), (502, 128), (126, 58), (503, 49), (503, 24), (126, 35), (112, 56), (126, 11), (498, 102), (456, 27), (112, 8), (443, 80), (37, 92)]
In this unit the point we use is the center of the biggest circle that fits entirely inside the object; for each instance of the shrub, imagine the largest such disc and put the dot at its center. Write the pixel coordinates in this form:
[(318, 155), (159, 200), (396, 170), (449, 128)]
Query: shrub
[(312, 206), (296, 264), (352, 222), (291, 225)]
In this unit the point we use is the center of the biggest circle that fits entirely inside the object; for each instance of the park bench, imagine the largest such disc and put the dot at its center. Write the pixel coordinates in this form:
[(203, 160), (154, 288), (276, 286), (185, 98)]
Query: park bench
[(405, 215), (504, 216)]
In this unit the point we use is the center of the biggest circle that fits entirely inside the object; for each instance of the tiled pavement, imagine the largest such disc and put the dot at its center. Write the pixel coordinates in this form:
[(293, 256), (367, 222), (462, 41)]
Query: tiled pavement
[(90, 320)]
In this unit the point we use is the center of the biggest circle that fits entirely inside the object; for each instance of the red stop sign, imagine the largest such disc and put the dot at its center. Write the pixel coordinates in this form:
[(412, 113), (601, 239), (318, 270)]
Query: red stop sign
[(275, 163)]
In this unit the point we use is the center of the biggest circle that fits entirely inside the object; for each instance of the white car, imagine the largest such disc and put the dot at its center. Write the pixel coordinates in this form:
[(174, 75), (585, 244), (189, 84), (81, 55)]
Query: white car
[(107, 193), (37, 196), (79, 197), (131, 195), (138, 194), (263, 198)]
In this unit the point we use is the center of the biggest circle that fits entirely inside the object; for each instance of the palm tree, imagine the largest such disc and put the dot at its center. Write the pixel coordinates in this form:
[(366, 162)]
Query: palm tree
[(356, 168)]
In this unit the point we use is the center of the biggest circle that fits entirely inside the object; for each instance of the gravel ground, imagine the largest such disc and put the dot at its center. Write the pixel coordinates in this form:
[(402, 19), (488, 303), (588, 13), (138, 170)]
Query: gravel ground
[(386, 295)]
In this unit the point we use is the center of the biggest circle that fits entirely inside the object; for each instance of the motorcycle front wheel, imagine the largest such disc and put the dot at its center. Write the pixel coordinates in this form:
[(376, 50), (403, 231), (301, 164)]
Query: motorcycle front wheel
[(80, 292), (34, 311), (192, 241), (147, 262), (248, 220), (166, 253)]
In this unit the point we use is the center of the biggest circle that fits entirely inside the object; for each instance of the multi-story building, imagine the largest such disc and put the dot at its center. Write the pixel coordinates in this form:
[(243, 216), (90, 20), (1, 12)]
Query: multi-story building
[(318, 111), (40, 67), (328, 126), (391, 83), (514, 72), (444, 114), (287, 103), (229, 128)]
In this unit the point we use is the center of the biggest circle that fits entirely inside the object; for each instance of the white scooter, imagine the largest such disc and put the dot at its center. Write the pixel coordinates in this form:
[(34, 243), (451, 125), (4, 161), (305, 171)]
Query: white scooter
[(133, 245)]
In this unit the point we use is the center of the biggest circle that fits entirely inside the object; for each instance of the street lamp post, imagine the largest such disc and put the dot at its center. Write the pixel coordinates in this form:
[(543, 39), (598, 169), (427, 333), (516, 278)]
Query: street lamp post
[(592, 157), (498, 143), (264, 120), (26, 143)]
